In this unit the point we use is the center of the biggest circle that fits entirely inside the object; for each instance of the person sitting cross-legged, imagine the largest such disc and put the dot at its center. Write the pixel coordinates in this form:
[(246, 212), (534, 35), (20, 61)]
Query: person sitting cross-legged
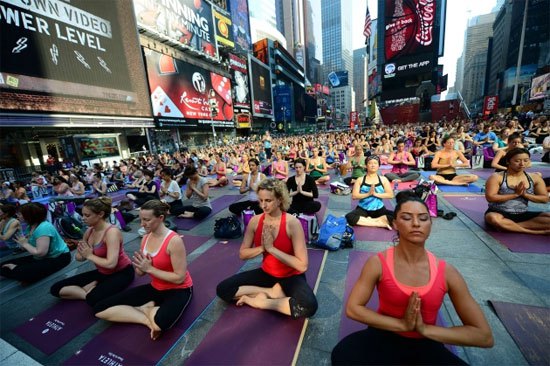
[(198, 206), (303, 191), (446, 162), (401, 160)]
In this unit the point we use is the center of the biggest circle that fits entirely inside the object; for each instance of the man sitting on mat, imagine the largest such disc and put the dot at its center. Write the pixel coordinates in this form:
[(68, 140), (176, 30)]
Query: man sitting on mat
[(446, 162), (411, 284), (280, 284), (509, 193)]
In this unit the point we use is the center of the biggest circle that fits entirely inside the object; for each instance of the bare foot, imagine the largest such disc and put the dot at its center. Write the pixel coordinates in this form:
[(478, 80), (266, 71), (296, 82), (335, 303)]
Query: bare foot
[(155, 334), (89, 287), (252, 301), (276, 292), (9, 266)]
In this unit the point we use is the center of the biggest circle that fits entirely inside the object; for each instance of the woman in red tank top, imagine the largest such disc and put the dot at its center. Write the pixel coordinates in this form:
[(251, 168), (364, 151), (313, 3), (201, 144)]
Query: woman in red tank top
[(280, 283), (103, 246), (411, 284), (159, 304)]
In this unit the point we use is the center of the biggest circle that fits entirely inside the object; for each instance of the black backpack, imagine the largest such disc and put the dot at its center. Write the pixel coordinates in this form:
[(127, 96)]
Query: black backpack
[(227, 228)]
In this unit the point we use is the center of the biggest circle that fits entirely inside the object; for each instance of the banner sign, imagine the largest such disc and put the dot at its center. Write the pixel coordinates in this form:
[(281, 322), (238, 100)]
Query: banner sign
[(224, 31), (262, 98), (354, 120), (409, 65), (239, 73), (409, 27), (81, 49), (490, 105), (540, 86), (188, 22), (241, 25), (179, 92)]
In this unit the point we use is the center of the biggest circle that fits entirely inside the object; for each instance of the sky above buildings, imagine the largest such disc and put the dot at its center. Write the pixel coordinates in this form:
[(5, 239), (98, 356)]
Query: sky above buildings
[(461, 11)]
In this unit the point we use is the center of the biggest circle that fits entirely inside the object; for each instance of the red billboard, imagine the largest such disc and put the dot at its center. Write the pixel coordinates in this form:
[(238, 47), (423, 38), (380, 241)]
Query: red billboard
[(353, 120), (409, 27), (179, 92), (490, 105)]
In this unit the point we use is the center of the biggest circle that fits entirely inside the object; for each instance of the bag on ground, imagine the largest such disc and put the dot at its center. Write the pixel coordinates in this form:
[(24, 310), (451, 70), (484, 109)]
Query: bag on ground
[(340, 188), (247, 215), (477, 161), (227, 228), (310, 226), (332, 232)]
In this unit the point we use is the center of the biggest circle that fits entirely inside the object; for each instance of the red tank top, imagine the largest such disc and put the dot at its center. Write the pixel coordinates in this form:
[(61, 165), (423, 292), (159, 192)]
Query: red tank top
[(394, 296), (100, 250), (271, 265), (161, 261)]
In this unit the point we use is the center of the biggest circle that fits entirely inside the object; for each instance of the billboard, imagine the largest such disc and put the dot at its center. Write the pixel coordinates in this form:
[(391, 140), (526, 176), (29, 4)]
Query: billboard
[(179, 92), (408, 65), (262, 98), (77, 57), (188, 22), (223, 24), (338, 78), (540, 86), (283, 103), (241, 90), (490, 105), (241, 25), (409, 28)]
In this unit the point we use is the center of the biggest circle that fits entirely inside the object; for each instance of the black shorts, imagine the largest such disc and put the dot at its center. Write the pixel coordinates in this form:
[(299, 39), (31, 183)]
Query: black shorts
[(517, 217), (447, 176)]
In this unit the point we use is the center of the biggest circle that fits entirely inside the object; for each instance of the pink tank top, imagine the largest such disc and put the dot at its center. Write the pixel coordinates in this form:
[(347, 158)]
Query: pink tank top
[(161, 260), (100, 250), (394, 296)]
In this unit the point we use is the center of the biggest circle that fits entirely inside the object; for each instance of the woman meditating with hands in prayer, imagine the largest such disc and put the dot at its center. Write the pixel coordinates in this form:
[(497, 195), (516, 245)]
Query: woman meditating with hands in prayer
[(445, 161), (159, 304), (509, 193), (103, 246), (280, 284), (303, 191), (411, 284)]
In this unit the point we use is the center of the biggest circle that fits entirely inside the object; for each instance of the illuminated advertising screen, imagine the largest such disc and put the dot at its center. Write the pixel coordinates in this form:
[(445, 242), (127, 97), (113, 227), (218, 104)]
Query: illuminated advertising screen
[(71, 57), (188, 22), (223, 24), (408, 65), (409, 28), (262, 97), (540, 86), (241, 90), (241, 25), (97, 147), (180, 92)]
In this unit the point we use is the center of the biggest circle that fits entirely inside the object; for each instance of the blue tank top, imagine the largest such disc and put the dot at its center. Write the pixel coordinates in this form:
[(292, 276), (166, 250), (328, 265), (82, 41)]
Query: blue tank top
[(371, 203)]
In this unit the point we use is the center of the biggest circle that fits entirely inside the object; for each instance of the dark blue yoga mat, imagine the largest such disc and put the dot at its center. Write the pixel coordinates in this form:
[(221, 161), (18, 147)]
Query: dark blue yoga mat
[(218, 204), (247, 336), (130, 344), (54, 327), (471, 188)]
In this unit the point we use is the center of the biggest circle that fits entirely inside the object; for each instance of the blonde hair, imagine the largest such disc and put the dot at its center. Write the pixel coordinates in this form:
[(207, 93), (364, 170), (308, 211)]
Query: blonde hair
[(101, 204), (278, 188)]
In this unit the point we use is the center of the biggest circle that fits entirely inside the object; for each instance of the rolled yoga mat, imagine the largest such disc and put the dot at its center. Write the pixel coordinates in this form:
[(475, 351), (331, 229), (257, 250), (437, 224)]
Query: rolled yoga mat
[(247, 336), (475, 206), (59, 324), (218, 204), (130, 344), (529, 326)]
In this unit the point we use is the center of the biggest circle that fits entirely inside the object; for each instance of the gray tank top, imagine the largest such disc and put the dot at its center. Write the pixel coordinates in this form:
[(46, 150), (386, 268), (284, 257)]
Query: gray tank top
[(514, 206)]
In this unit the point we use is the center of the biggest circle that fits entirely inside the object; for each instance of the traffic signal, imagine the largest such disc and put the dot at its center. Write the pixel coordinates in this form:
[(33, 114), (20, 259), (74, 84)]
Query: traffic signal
[(214, 111)]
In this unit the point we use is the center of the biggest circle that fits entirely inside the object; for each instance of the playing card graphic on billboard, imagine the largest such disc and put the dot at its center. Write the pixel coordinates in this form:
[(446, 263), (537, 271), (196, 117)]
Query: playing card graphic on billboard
[(179, 92), (409, 27), (188, 22), (75, 48)]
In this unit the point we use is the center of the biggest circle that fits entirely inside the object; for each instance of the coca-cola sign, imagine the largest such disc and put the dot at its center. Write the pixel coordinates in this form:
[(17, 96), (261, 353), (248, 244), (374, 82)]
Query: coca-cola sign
[(409, 27), (490, 105)]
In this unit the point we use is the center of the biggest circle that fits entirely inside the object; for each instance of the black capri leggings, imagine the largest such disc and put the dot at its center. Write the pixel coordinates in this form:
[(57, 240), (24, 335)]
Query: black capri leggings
[(30, 269), (238, 207), (199, 212), (373, 346), (107, 284), (354, 216), (309, 207), (302, 299), (171, 303)]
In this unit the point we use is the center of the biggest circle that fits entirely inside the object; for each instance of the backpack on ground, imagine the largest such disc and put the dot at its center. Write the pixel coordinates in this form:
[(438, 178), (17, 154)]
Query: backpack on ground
[(227, 228), (335, 233)]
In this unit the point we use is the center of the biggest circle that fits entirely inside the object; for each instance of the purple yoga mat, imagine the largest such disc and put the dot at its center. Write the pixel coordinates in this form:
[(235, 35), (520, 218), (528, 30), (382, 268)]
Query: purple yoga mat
[(54, 327), (324, 205), (529, 326), (475, 206), (247, 336), (130, 344), (218, 204)]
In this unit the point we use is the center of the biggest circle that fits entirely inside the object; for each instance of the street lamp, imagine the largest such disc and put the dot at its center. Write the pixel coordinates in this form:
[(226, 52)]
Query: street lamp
[(213, 104)]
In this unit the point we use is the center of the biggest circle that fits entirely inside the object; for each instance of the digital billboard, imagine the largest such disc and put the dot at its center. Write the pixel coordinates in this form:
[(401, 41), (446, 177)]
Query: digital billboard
[(241, 90), (188, 22), (241, 25), (409, 28), (179, 92), (540, 86), (262, 98), (71, 57), (223, 24)]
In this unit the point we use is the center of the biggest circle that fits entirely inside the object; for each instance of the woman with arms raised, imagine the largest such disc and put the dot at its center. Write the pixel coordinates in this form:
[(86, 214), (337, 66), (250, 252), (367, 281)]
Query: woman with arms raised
[(103, 246), (411, 284), (159, 304), (280, 284)]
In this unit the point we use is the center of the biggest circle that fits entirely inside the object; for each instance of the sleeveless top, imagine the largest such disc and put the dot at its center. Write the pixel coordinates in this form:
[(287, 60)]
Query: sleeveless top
[(280, 165), (399, 168), (252, 195), (315, 174), (270, 264), (161, 260), (516, 205), (357, 169), (371, 203), (100, 250), (394, 296), (10, 242)]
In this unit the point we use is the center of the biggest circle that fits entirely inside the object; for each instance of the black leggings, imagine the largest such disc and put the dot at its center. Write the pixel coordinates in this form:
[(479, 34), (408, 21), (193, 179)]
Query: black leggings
[(30, 269), (199, 212), (107, 285), (354, 216), (302, 299), (373, 346), (309, 207), (171, 303), (238, 207)]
